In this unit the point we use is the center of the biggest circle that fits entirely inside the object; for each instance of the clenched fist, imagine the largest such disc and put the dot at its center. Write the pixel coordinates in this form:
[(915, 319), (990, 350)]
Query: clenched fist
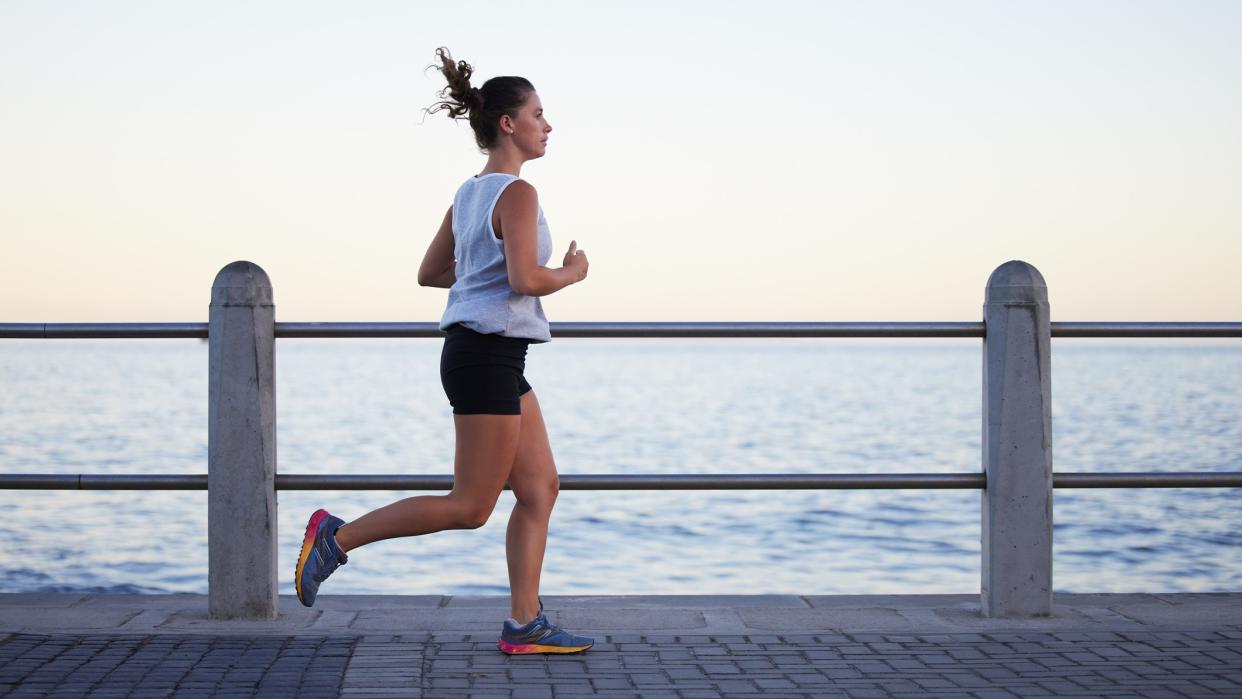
[(576, 260)]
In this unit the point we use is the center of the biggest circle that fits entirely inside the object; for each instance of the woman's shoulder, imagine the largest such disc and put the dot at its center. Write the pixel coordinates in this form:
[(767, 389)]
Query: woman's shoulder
[(518, 192), (521, 185), (519, 201)]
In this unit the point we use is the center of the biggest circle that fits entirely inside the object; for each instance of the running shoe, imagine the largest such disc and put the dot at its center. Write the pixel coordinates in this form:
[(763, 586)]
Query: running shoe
[(320, 555), (540, 636)]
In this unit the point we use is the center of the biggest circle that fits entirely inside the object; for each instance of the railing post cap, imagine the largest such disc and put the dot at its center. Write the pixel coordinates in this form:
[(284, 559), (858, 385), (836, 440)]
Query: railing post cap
[(241, 283), (1016, 282)]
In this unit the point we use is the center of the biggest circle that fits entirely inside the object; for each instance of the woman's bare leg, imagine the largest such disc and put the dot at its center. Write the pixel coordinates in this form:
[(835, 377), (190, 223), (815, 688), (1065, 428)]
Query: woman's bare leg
[(486, 447), (535, 484)]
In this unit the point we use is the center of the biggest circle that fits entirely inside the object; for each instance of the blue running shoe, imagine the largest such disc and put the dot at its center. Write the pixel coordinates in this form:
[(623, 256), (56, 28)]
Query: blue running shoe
[(540, 636), (320, 555)]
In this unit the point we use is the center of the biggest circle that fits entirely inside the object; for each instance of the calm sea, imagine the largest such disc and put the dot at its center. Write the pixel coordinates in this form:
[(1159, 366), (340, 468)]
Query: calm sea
[(636, 406)]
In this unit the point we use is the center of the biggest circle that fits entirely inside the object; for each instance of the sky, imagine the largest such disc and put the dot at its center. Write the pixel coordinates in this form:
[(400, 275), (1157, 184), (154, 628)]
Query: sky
[(716, 161)]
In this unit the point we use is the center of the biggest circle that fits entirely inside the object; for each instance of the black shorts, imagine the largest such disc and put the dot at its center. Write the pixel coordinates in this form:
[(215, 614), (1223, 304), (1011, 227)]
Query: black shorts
[(481, 373)]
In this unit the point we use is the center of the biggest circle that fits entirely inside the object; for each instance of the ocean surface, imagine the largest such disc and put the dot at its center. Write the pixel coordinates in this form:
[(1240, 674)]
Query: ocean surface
[(637, 406)]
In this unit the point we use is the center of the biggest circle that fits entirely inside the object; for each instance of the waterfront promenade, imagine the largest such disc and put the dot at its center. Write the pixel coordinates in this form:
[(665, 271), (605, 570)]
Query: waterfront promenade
[(1108, 645)]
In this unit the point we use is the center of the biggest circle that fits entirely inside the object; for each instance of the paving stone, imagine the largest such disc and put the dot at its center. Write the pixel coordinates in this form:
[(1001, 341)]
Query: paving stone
[(1133, 663)]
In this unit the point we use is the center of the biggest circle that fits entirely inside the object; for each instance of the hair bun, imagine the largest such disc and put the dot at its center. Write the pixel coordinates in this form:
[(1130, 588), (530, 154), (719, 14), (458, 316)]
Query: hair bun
[(459, 97), (505, 96)]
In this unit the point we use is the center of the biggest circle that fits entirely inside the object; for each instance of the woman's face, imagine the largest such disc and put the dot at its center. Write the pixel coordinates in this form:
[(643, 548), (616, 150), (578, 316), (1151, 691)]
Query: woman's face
[(530, 128)]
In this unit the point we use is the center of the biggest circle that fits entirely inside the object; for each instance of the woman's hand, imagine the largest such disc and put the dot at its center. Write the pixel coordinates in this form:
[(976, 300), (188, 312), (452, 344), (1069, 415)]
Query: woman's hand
[(576, 261)]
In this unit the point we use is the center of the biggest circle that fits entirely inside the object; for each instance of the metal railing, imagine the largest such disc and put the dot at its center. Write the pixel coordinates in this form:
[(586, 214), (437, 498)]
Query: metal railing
[(1016, 481), (697, 481), (725, 481), (64, 331)]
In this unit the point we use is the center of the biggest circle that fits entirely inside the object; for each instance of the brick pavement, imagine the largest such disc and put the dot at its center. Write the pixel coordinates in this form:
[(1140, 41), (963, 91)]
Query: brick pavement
[(36, 665), (1138, 663)]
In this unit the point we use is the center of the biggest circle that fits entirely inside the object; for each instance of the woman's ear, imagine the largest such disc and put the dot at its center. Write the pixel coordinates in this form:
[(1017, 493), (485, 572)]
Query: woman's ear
[(506, 124)]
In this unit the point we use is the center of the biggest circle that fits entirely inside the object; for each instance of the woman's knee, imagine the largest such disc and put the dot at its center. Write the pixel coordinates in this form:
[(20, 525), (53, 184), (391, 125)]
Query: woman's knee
[(541, 494), (472, 514)]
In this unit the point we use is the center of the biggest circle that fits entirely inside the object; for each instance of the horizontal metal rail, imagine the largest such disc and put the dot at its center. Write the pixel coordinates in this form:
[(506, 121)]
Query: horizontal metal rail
[(64, 331), (705, 481), (652, 329), (1190, 479), (115, 481), (1105, 329), (672, 329)]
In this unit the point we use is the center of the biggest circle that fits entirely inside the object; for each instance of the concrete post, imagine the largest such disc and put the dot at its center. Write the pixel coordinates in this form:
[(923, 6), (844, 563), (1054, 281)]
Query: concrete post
[(241, 446), (1017, 445)]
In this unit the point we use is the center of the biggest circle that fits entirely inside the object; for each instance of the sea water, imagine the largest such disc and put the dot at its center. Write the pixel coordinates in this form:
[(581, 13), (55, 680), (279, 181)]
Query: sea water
[(636, 406)]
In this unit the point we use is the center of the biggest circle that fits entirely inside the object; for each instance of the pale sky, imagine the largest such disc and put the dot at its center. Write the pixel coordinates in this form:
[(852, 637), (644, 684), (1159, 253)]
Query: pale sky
[(810, 161)]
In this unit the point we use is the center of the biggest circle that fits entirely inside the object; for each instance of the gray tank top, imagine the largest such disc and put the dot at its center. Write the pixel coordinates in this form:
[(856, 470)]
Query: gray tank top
[(481, 298)]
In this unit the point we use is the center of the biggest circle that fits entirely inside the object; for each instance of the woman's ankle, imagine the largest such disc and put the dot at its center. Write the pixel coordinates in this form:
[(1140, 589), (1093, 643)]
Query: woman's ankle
[(523, 616), (342, 538)]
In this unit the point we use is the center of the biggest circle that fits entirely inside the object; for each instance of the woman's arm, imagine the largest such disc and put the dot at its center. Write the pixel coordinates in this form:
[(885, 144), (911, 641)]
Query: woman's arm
[(439, 268), (518, 211)]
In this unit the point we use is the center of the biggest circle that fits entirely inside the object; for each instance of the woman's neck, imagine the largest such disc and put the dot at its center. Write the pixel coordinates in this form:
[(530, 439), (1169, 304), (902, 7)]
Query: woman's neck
[(503, 160)]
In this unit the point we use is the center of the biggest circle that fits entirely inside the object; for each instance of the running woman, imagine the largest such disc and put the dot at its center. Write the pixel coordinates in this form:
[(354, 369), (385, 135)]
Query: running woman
[(490, 252)]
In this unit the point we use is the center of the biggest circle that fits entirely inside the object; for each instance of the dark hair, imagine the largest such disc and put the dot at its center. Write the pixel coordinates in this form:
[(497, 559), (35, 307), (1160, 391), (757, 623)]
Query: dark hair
[(482, 106)]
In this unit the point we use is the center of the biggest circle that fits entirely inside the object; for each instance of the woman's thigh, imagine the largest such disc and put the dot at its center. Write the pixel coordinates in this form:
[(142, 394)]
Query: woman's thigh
[(533, 478), (486, 448)]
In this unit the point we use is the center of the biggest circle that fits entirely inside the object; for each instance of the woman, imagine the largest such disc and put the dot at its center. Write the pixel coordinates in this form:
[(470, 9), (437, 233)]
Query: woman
[(490, 253)]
